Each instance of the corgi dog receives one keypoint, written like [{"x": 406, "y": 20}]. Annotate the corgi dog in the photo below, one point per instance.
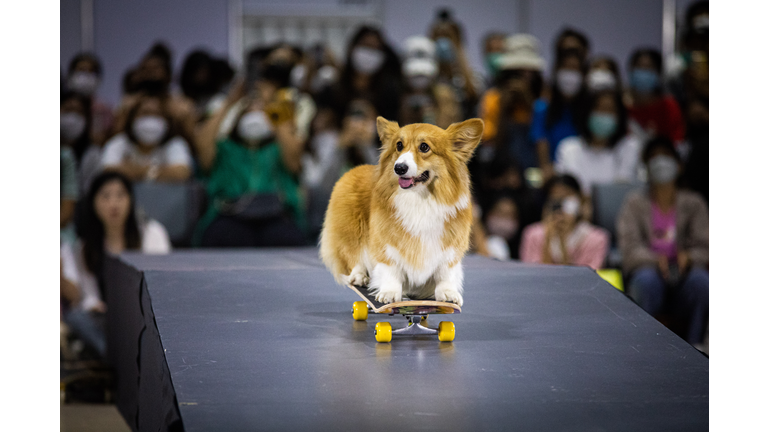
[{"x": 402, "y": 227}]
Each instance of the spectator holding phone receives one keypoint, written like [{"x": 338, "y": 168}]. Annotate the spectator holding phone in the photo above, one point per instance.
[
  {"x": 564, "y": 236},
  {"x": 663, "y": 236}
]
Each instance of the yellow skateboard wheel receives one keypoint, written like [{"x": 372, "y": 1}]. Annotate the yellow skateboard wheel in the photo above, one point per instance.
[
  {"x": 446, "y": 331},
  {"x": 360, "y": 310},
  {"x": 383, "y": 332}
]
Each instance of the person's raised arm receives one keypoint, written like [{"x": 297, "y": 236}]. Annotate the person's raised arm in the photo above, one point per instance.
[
  {"x": 205, "y": 144},
  {"x": 291, "y": 146}
]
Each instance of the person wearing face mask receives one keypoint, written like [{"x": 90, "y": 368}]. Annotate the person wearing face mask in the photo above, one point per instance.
[
  {"x": 603, "y": 75},
  {"x": 493, "y": 48},
  {"x": 203, "y": 79},
  {"x": 425, "y": 100},
  {"x": 372, "y": 72},
  {"x": 652, "y": 112},
  {"x": 564, "y": 236},
  {"x": 254, "y": 198},
  {"x": 332, "y": 151},
  {"x": 75, "y": 117},
  {"x": 603, "y": 152},
  {"x": 150, "y": 149},
  {"x": 152, "y": 78},
  {"x": 663, "y": 235},
  {"x": 83, "y": 78},
  {"x": 554, "y": 120},
  {"x": 507, "y": 108},
  {"x": 453, "y": 67},
  {"x": 502, "y": 227}
]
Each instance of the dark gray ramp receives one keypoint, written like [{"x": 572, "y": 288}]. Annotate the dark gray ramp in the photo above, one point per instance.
[{"x": 265, "y": 340}]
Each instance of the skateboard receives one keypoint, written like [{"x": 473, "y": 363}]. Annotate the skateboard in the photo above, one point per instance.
[{"x": 416, "y": 311}]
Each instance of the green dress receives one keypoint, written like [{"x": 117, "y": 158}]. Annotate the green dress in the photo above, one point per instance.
[{"x": 238, "y": 170}]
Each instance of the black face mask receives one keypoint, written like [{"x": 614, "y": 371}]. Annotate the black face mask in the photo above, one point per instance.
[
  {"x": 279, "y": 73},
  {"x": 154, "y": 87}
]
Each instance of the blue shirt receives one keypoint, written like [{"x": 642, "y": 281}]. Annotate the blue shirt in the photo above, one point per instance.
[{"x": 563, "y": 128}]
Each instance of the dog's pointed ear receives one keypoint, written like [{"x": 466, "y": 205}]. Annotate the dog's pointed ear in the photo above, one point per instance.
[
  {"x": 386, "y": 129},
  {"x": 465, "y": 137}
]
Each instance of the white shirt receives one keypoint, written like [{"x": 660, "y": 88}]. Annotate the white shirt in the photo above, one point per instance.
[
  {"x": 119, "y": 148},
  {"x": 154, "y": 240},
  {"x": 593, "y": 166}
]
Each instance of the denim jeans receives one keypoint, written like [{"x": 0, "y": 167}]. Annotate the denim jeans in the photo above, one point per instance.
[
  {"x": 687, "y": 302},
  {"x": 89, "y": 328}
]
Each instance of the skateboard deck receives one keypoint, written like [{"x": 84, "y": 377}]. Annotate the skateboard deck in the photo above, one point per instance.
[{"x": 406, "y": 307}]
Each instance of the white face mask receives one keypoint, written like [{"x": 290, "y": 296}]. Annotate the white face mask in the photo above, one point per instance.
[
  {"x": 324, "y": 77},
  {"x": 72, "y": 126},
  {"x": 502, "y": 227},
  {"x": 367, "y": 60},
  {"x": 298, "y": 75},
  {"x": 419, "y": 82},
  {"x": 84, "y": 83},
  {"x": 254, "y": 126},
  {"x": 149, "y": 130},
  {"x": 662, "y": 169},
  {"x": 571, "y": 206},
  {"x": 569, "y": 82},
  {"x": 599, "y": 80}
]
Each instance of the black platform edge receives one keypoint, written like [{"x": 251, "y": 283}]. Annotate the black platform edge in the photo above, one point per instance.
[{"x": 145, "y": 395}]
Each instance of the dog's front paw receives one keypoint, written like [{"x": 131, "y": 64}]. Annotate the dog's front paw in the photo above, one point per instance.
[
  {"x": 358, "y": 277},
  {"x": 389, "y": 294},
  {"x": 446, "y": 292}
]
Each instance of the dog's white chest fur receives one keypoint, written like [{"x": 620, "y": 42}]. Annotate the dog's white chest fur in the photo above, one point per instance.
[{"x": 424, "y": 218}]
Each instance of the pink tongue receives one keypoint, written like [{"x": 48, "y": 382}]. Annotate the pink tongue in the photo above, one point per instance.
[{"x": 405, "y": 182}]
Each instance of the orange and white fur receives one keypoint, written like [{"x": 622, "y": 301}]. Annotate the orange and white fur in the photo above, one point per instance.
[{"x": 402, "y": 227}]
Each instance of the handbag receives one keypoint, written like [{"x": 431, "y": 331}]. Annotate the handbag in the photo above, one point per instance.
[{"x": 253, "y": 207}]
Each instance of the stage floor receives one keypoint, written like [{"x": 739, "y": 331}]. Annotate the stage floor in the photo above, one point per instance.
[{"x": 265, "y": 340}]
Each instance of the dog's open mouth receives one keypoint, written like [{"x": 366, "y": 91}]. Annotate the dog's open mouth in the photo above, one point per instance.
[{"x": 407, "y": 182}]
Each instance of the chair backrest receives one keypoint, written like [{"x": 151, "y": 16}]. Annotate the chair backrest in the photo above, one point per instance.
[
  {"x": 607, "y": 200},
  {"x": 177, "y": 206}
]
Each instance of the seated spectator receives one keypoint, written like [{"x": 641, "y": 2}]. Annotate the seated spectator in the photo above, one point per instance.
[
  {"x": 572, "y": 41},
  {"x": 454, "y": 69},
  {"x": 108, "y": 225},
  {"x": 331, "y": 153},
  {"x": 372, "y": 72},
  {"x": 321, "y": 73},
  {"x": 150, "y": 149},
  {"x": 253, "y": 193},
  {"x": 203, "y": 80},
  {"x": 493, "y": 48},
  {"x": 555, "y": 120},
  {"x": 603, "y": 152},
  {"x": 274, "y": 65},
  {"x": 663, "y": 235},
  {"x": 507, "y": 108},
  {"x": 83, "y": 78},
  {"x": 152, "y": 77},
  {"x": 652, "y": 111},
  {"x": 603, "y": 75},
  {"x": 696, "y": 173},
  {"x": 502, "y": 225},
  {"x": 564, "y": 236},
  {"x": 75, "y": 122},
  {"x": 425, "y": 100}
]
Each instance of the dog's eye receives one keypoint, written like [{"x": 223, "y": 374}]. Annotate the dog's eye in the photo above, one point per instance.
[
  {"x": 424, "y": 147},
  {"x": 399, "y": 146}
]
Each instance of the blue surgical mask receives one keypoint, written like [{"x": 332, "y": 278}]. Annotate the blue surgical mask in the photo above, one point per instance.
[
  {"x": 492, "y": 64},
  {"x": 644, "y": 80},
  {"x": 444, "y": 49},
  {"x": 602, "y": 125}
]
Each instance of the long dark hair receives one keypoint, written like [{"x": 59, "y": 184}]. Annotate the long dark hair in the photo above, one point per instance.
[
  {"x": 558, "y": 103},
  {"x": 582, "y": 117},
  {"x": 90, "y": 228},
  {"x": 387, "y": 79}
]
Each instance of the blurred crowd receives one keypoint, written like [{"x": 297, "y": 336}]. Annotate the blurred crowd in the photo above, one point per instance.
[{"x": 268, "y": 143}]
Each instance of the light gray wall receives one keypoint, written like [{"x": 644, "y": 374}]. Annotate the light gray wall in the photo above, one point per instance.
[{"x": 124, "y": 30}]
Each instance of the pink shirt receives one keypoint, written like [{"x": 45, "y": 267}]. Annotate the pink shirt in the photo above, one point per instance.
[
  {"x": 663, "y": 232},
  {"x": 588, "y": 246}
]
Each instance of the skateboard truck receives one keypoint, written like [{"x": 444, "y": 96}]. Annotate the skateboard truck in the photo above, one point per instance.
[{"x": 414, "y": 327}]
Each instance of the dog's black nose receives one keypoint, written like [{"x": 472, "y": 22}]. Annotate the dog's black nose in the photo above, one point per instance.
[{"x": 401, "y": 169}]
